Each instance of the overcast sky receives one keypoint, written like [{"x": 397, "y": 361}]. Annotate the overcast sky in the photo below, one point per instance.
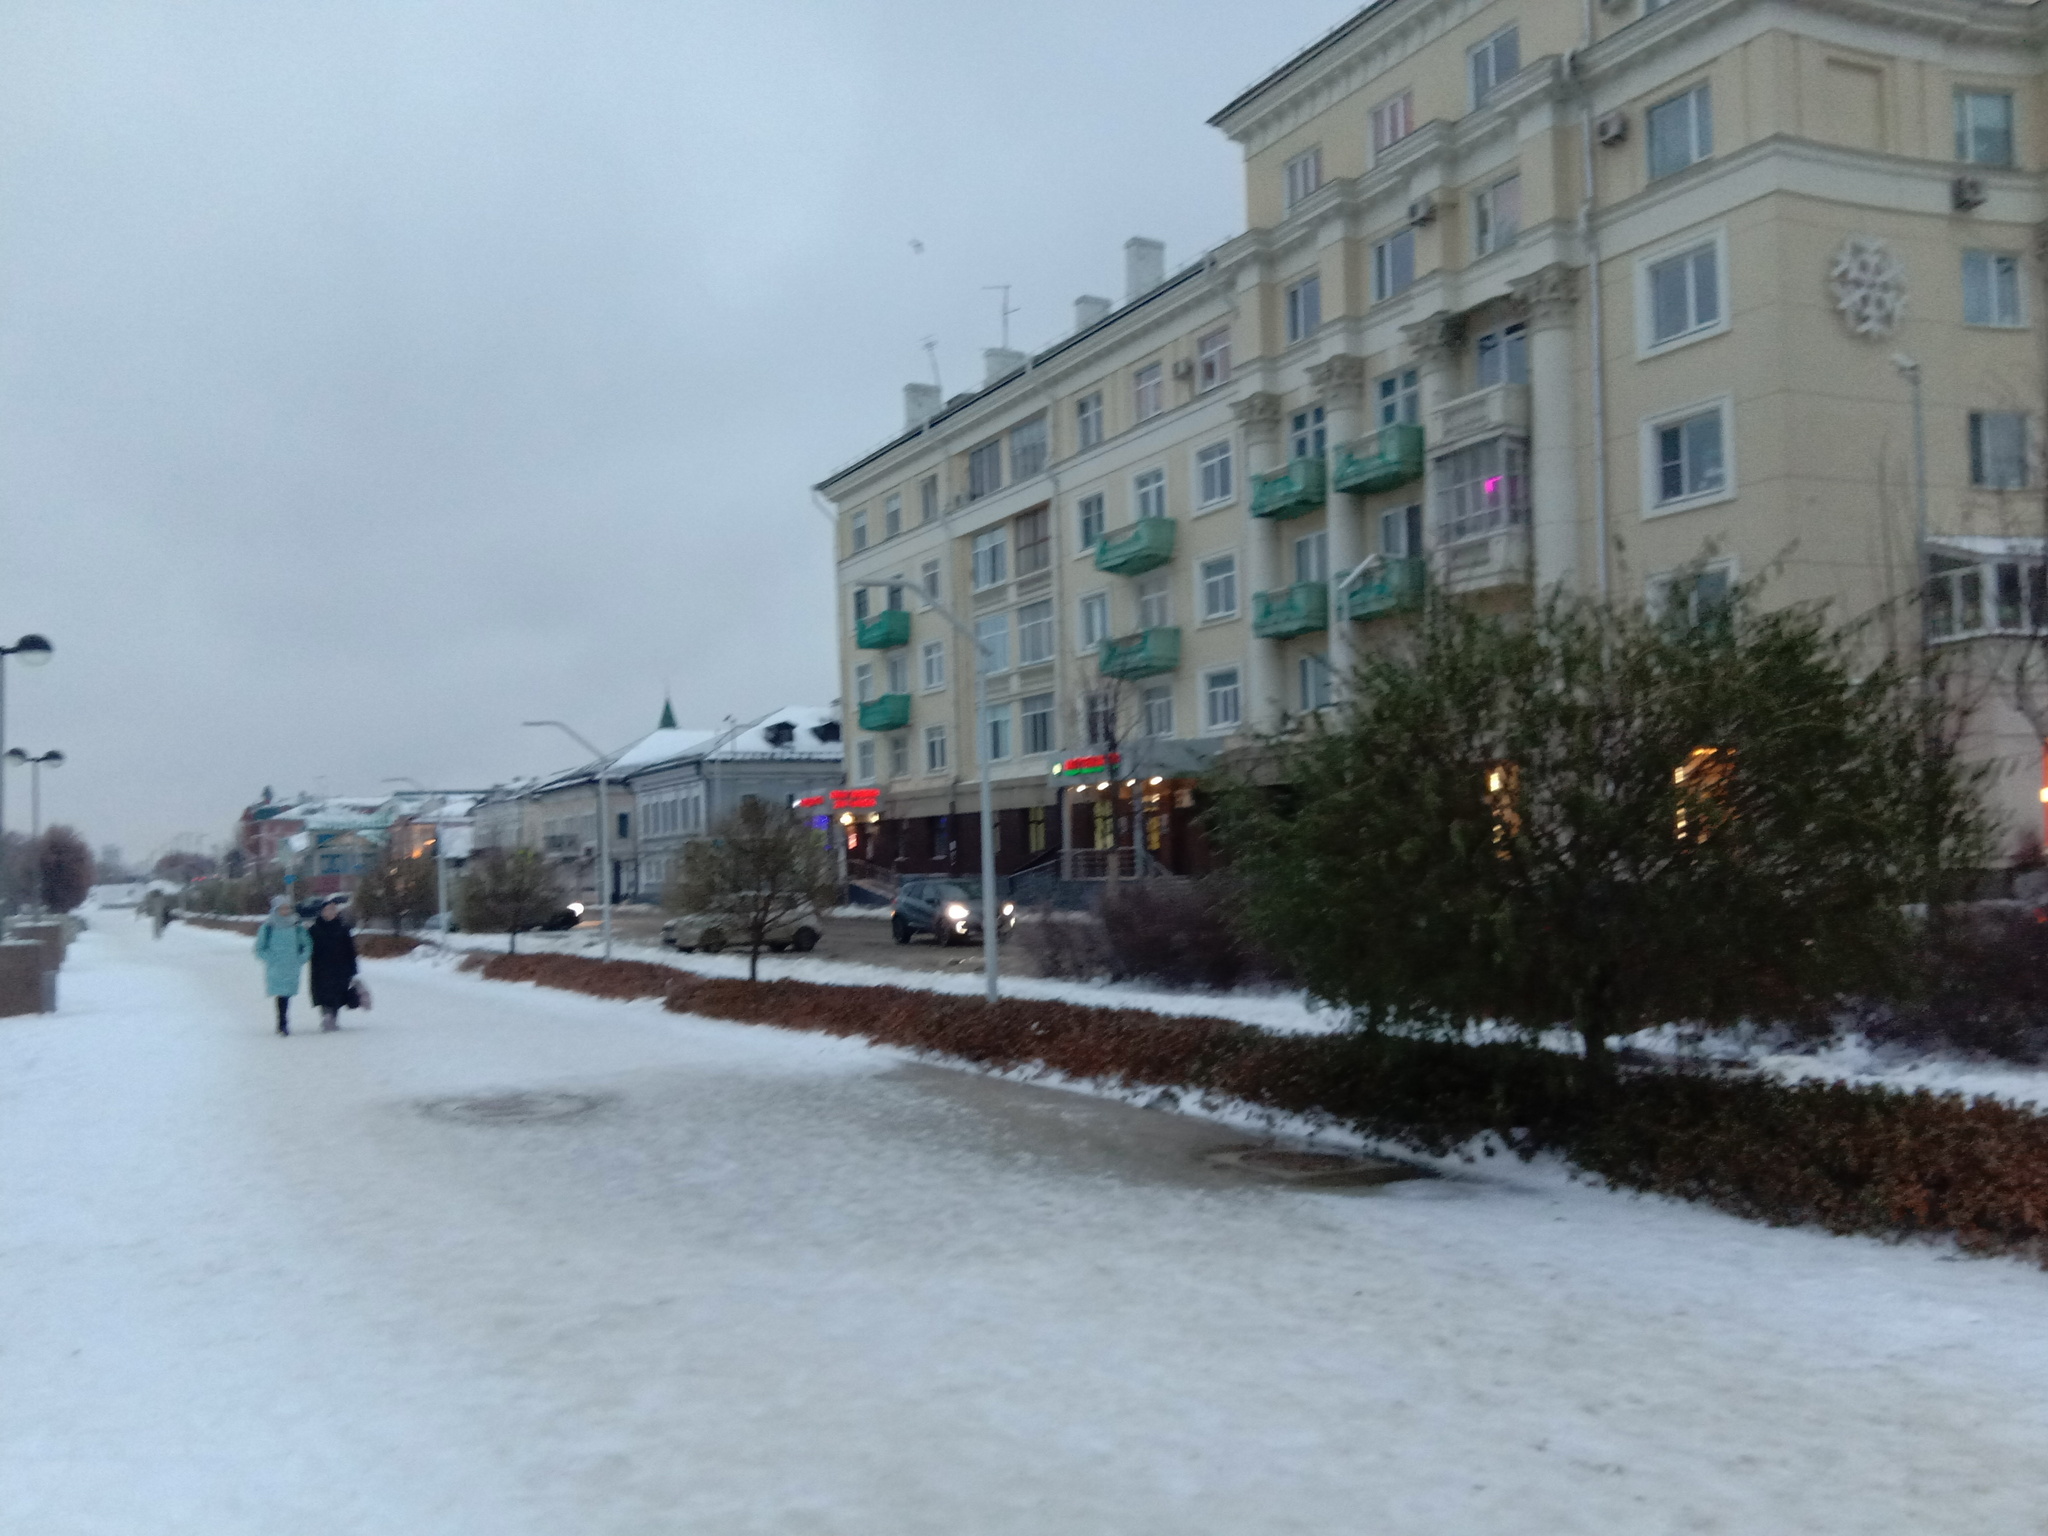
[{"x": 376, "y": 376}]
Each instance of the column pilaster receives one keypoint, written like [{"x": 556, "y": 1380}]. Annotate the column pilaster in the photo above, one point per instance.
[
  {"x": 1341, "y": 380},
  {"x": 1258, "y": 417},
  {"x": 1551, "y": 296}
]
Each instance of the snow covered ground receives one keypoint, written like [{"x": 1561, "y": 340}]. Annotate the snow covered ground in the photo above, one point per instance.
[{"x": 781, "y": 1283}]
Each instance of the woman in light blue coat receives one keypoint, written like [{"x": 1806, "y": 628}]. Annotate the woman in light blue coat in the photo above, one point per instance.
[{"x": 282, "y": 945}]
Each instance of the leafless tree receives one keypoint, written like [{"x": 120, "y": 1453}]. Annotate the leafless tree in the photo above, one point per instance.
[{"x": 758, "y": 870}]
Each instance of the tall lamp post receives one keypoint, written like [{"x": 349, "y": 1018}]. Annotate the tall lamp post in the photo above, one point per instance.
[
  {"x": 1910, "y": 370},
  {"x": 604, "y": 844},
  {"x": 991, "y": 915},
  {"x": 16, "y": 758},
  {"x": 31, "y": 651}
]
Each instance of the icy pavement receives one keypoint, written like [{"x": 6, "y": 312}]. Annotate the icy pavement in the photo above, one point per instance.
[{"x": 779, "y": 1283}]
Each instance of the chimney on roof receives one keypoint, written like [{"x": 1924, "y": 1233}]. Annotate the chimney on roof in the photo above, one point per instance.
[
  {"x": 1144, "y": 266},
  {"x": 920, "y": 404},
  {"x": 1088, "y": 309},
  {"x": 999, "y": 362}
]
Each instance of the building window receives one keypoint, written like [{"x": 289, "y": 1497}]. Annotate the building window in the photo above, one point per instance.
[
  {"x": 1155, "y": 610},
  {"x": 1304, "y": 174},
  {"x": 1401, "y": 531},
  {"x": 1213, "y": 477},
  {"x": 1148, "y": 493},
  {"x": 1305, "y": 308},
  {"x": 899, "y": 674},
  {"x": 892, "y": 516},
  {"x": 985, "y": 469},
  {"x": 1482, "y": 488},
  {"x": 1088, "y": 419},
  {"x": 1691, "y": 458},
  {"x": 1392, "y": 121},
  {"x": 1497, "y": 215},
  {"x": 1034, "y": 828},
  {"x": 1393, "y": 265},
  {"x": 1998, "y": 449},
  {"x": 1312, "y": 558},
  {"x": 860, "y": 530},
  {"x": 1991, "y": 288},
  {"x": 864, "y": 759},
  {"x": 864, "y": 682},
  {"x": 928, "y": 580},
  {"x": 1089, "y": 514},
  {"x": 1222, "y": 706},
  {"x": 899, "y": 756},
  {"x": 1219, "y": 587},
  {"x": 932, "y": 659},
  {"x": 1212, "y": 360},
  {"x": 1502, "y": 356},
  {"x": 863, "y": 604},
  {"x": 1984, "y": 127},
  {"x": 991, "y": 559},
  {"x": 992, "y": 642},
  {"x": 935, "y": 749},
  {"x": 1315, "y": 681},
  {"x": 1684, "y": 294},
  {"x": 1681, "y": 131},
  {"x": 928, "y": 499},
  {"x": 1397, "y": 398},
  {"x": 1307, "y": 436},
  {"x": 1034, "y": 542},
  {"x": 1493, "y": 61},
  {"x": 1158, "y": 711},
  {"x": 1034, "y": 633},
  {"x": 1027, "y": 449},
  {"x": 1148, "y": 390},
  {"x": 1098, "y": 717},
  {"x": 1094, "y": 626},
  {"x": 995, "y": 732},
  {"x": 1691, "y": 597},
  {"x": 1035, "y": 717}
]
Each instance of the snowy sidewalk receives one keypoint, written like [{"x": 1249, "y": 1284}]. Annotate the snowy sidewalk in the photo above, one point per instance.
[{"x": 781, "y": 1283}]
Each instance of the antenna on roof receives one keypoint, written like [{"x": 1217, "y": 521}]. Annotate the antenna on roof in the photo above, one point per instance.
[{"x": 1006, "y": 311}]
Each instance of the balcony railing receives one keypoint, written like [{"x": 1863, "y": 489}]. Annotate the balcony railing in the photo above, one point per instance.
[
  {"x": 1297, "y": 610},
  {"x": 885, "y": 631},
  {"x": 1290, "y": 492},
  {"x": 1994, "y": 597},
  {"x": 1395, "y": 587},
  {"x": 1132, "y": 551},
  {"x": 891, "y": 712},
  {"x": 1145, "y": 654},
  {"x": 1387, "y": 460}
]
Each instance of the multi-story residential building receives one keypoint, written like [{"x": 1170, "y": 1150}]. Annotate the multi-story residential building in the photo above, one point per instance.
[{"x": 1626, "y": 298}]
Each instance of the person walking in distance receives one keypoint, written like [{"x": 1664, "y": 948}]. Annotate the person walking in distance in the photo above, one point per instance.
[
  {"x": 282, "y": 946},
  {"x": 333, "y": 972}
]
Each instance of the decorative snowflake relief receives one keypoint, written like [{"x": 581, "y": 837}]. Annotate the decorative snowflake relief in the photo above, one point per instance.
[{"x": 1869, "y": 284}]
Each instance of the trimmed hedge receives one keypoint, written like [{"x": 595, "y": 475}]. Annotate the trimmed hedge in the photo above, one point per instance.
[
  {"x": 369, "y": 946},
  {"x": 1850, "y": 1159}
]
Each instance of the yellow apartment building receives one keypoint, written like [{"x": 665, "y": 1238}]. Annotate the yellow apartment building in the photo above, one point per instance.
[{"x": 1634, "y": 299}]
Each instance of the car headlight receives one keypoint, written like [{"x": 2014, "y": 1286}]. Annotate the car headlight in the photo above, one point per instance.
[
  {"x": 1009, "y": 909},
  {"x": 956, "y": 911}
]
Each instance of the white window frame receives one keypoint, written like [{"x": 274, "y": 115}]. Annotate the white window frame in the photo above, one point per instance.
[
  {"x": 859, "y": 534},
  {"x": 991, "y": 557},
  {"x": 928, "y": 577},
  {"x": 1992, "y": 261},
  {"x": 1030, "y": 448},
  {"x": 1090, "y": 509},
  {"x": 1215, "y": 475},
  {"x": 1154, "y": 594},
  {"x": 1651, "y": 463},
  {"x": 1026, "y": 714},
  {"x": 1157, "y": 721},
  {"x": 896, "y": 666},
  {"x": 1489, "y": 49},
  {"x": 1312, "y": 556},
  {"x": 931, "y": 663},
  {"x": 1657, "y": 590},
  {"x": 1405, "y": 396},
  {"x": 864, "y": 682},
  {"x": 1148, "y": 391},
  {"x": 1699, "y": 126},
  {"x": 1386, "y": 264},
  {"x": 987, "y": 630},
  {"x": 1495, "y": 228},
  {"x": 1091, "y": 614},
  {"x": 899, "y": 755},
  {"x": 1304, "y": 173},
  {"x": 1314, "y": 681},
  {"x": 1216, "y": 587},
  {"x": 1304, "y": 301},
  {"x": 1216, "y": 693},
  {"x": 1088, "y": 425},
  {"x": 1392, "y": 121},
  {"x": 985, "y": 469},
  {"x": 1148, "y": 490},
  {"x": 1965, "y": 145},
  {"x": 1212, "y": 359},
  {"x": 1647, "y": 344},
  {"x": 1042, "y": 625},
  {"x": 998, "y": 738},
  {"x": 892, "y": 514},
  {"x": 1971, "y": 455},
  {"x": 864, "y": 760},
  {"x": 935, "y": 749},
  {"x": 928, "y": 499}
]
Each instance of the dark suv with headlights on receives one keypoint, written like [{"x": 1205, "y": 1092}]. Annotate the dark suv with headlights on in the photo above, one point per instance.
[{"x": 948, "y": 910}]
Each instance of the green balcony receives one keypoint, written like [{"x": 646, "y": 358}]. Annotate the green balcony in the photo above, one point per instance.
[
  {"x": 1300, "y": 609},
  {"x": 885, "y": 631},
  {"x": 1137, "y": 549},
  {"x": 891, "y": 712},
  {"x": 1395, "y": 587},
  {"x": 1145, "y": 654},
  {"x": 1290, "y": 492},
  {"x": 1386, "y": 460}
]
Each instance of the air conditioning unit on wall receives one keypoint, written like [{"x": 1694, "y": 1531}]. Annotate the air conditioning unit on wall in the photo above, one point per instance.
[
  {"x": 1423, "y": 210},
  {"x": 1613, "y": 128},
  {"x": 1184, "y": 369},
  {"x": 1966, "y": 192}
]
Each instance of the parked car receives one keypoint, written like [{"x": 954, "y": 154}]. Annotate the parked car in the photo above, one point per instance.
[
  {"x": 948, "y": 910},
  {"x": 713, "y": 931},
  {"x": 567, "y": 917}
]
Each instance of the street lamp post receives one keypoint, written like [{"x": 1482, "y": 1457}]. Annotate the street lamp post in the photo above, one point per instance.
[
  {"x": 1911, "y": 371},
  {"x": 16, "y": 758},
  {"x": 440, "y": 852},
  {"x": 604, "y": 845},
  {"x": 991, "y": 915},
  {"x": 33, "y": 651}
]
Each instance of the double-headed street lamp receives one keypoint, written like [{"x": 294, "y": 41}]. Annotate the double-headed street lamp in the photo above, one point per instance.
[
  {"x": 604, "y": 810},
  {"x": 32, "y": 651},
  {"x": 16, "y": 758}
]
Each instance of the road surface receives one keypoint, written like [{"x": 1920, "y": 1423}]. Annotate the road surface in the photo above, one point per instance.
[{"x": 745, "y": 1281}]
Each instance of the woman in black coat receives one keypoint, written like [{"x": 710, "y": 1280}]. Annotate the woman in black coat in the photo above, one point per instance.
[{"x": 333, "y": 967}]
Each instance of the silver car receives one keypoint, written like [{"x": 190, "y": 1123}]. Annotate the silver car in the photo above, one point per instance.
[{"x": 714, "y": 931}]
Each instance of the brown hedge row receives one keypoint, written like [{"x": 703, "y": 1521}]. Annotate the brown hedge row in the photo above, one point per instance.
[
  {"x": 1850, "y": 1159},
  {"x": 369, "y": 946}
]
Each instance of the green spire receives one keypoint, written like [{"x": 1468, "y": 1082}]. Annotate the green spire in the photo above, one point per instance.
[{"x": 668, "y": 716}]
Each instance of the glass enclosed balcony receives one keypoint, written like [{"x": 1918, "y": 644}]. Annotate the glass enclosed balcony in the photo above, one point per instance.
[
  {"x": 1297, "y": 610},
  {"x": 1395, "y": 587},
  {"x": 1145, "y": 654},
  {"x": 1290, "y": 492},
  {"x": 1132, "y": 551},
  {"x": 1384, "y": 461},
  {"x": 891, "y": 712},
  {"x": 885, "y": 631}
]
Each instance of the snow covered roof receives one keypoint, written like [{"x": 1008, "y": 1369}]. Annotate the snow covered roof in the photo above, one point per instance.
[
  {"x": 659, "y": 746},
  {"x": 796, "y": 733}
]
